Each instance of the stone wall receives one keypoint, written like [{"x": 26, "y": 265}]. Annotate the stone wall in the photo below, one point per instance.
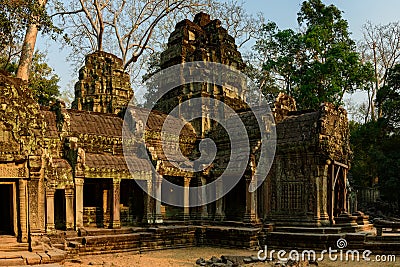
[{"x": 310, "y": 146}]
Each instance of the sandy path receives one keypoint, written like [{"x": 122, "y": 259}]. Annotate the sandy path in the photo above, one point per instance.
[{"x": 188, "y": 256}]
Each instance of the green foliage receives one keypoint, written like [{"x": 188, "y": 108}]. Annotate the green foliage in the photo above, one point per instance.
[
  {"x": 317, "y": 64},
  {"x": 376, "y": 156},
  {"x": 15, "y": 17},
  {"x": 389, "y": 98},
  {"x": 376, "y": 144},
  {"x": 42, "y": 80},
  {"x": 153, "y": 66}
]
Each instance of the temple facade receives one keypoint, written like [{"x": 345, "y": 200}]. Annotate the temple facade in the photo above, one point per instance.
[{"x": 64, "y": 169}]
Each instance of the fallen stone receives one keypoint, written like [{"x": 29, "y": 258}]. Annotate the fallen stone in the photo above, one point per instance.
[
  {"x": 200, "y": 260},
  {"x": 233, "y": 259}
]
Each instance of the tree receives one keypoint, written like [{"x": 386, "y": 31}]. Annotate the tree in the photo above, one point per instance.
[
  {"x": 43, "y": 81},
  {"x": 128, "y": 25},
  {"x": 389, "y": 98},
  {"x": 278, "y": 50},
  {"x": 381, "y": 47},
  {"x": 376, "y": 144},
  {"x": 28, "y": 46},
  {"x": 318, "y": 63},
  {"x": 20, "y": 22}
]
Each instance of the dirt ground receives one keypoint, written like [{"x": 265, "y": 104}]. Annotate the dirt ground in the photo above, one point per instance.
[{"x": 188, "y": 256}]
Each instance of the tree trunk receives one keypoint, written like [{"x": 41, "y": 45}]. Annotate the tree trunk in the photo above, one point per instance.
[{"x": 28, "y": 48}]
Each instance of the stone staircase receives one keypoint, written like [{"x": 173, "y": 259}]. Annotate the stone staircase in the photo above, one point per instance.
[
  {"x": 317, "y": 238},
  {"x": 98, "y": 241},
  {"x": 10, "y": 244},
  {"x": 13, "y": 253},
  {"x": 386, "y": 244}
]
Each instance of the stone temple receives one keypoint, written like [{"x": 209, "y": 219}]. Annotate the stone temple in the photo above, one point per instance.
[{"x": 64, "y": 181}]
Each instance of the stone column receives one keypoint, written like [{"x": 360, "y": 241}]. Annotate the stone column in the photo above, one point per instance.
[
  {"x": 23, "y": 211},
  {"x": 157, "y": 187},
  {"x": 79, "y": 201},
  {"x": 323, "y": 189},
  {"x": 105, "y": 208},
  {"x": 116, "y": 208},
  {"x": 345, "y": 206},
  {"x": 69, "y": 207},
  {"x": 50, "y": 226},
  {"x": 203, "y": 208},
  {"x": 219, "y": 211},
  {"x": 251, "y": 201},
  {"x": 186, "y": 198},
  {"x": 148, "y": 207}
]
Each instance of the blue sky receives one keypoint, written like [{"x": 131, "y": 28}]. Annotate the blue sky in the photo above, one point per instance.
[
  {"x": 356, "y": 12},
  {"x": 282, "y": 12}
]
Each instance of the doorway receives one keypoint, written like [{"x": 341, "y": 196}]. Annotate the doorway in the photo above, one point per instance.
[
  {"x": 60, "y": 209},
  {"x": 6, "y": 210}
]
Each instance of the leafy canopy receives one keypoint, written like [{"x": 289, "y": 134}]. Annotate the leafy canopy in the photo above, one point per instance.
[{"x": 316, "y": 64}]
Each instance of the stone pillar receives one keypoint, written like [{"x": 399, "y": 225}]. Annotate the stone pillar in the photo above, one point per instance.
[
  {"x": 186, "y": 198},
  {"x": 116, "y": 208},
  {"x": 148, "y": 207},
  {"x": 23, "y": 211},
  {"x": 69, "y": 208},
  {"x": 106, "y": 210},
  {"x": 332, "y": 195},
  {"x": 219, "y": 210},
  {"x": 203, "y": 209},
  {"x": 322, "y": 186},
  {"x": 36, "y": 196},
  {"x": 50, "y": 226},
  {"x": 79, "y": 201},
  {"x": 345, "y": 206},
  {"x": 251, "y": 201},
  {"x": 157, "y": 187}
]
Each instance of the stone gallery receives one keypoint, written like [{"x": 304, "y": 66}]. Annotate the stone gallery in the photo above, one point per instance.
[{"x": 63, "y": 170}]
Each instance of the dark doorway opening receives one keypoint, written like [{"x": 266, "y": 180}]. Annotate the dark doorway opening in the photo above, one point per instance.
[
  {"x": 6, "y": 210},
  {"x": 132, "y": 202},
  {"x": 60, "y": 209},
  {"x": 235, "y": 202}
]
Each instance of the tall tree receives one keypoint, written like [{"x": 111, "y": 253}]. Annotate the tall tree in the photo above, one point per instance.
[
  {"x": 376, "y": 144},
  {"x": 318, "y": 63},
  {"x": 380, "y": 46},
  {"x": 20, "y": 22},
  {"x": 28, "y": 46},
  {"x": 43, "y": 81},
  {"x": 128, "y": 25}
]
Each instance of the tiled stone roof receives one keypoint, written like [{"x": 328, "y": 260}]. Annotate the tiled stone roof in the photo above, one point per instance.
[
  {"x": 298, "y": 128},
  {"x": 95, "y": 123},
  {"x": 51, "y": 124},
  {"x": 108, "y": 161}
]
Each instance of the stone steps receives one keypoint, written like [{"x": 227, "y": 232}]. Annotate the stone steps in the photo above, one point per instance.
[
  {"x": 383, "y": 248},
  {"x": 385, "y": 239},
  {"x": 104, "y": 231},
  {"x": 14, "y": 247},
  {"x": 32, "y": 258},
  {"x": 10, "y": 244},
  {"x": 315, "y": 230},
  {"x": 130, "y": 239}
]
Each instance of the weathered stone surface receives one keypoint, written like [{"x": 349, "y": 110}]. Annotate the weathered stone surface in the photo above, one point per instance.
[{"x": 103, "y": 85}]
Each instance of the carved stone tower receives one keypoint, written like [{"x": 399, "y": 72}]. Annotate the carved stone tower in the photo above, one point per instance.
[
  {"x": 103, "y": 85},
  {"x": 203, "y": 40}
]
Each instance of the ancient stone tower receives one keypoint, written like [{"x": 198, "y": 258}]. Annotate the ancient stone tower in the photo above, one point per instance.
[
  {"x": 103, "y": 85},
  {"x": 203, "y": 40}
]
